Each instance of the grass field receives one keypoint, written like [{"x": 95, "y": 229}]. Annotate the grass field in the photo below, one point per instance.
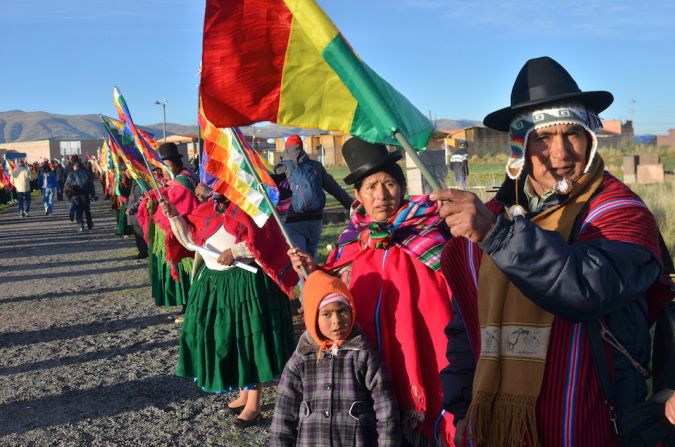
[{"x": 489, "y": 171}]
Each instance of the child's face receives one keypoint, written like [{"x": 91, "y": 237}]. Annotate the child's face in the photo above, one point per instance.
[{"x": 334, "y": 321}]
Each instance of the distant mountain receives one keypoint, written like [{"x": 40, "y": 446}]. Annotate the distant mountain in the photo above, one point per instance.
[{"x": 16, "y": 125}]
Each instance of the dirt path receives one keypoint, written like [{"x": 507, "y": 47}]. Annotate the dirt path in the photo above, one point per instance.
[{"x": 86, "y": 358}]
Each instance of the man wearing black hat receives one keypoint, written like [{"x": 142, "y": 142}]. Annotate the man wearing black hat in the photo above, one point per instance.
[{"x": 563, "y": 242}]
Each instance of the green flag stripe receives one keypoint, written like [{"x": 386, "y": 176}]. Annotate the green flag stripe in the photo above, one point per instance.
[{"x": 381, "y": 109}]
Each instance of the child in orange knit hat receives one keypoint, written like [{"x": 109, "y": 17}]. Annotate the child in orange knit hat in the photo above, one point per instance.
[{"x": 334, "y": 389}]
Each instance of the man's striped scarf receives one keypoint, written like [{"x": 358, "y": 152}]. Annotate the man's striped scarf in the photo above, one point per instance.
[{"x": 416, "y": 228}]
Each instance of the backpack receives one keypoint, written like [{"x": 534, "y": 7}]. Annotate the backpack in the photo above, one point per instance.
[{"x": 306, "y": 180}]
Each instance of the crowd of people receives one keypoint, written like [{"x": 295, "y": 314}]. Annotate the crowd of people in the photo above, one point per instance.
[
  {"x": 54, "y": 179},
  {"x": 436, "y": 319}
]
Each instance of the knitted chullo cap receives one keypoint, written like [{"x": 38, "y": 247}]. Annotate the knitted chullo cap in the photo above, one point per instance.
[
  {"x": 319, "y": 285},
  {"x": 546, "y": 116}
]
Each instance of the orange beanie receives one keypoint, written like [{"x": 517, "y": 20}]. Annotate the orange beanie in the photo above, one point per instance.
[{"x": 318, "y": 285}]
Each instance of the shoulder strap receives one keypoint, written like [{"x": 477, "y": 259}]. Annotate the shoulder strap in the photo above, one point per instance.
[{"x": 601, "y": 364}]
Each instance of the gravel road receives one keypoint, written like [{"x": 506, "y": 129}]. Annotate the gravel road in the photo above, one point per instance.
[{"x": 86, "y": 358}]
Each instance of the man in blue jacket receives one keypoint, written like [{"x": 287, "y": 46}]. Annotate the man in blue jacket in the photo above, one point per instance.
[
  {"x": 564, "y": 244},
  {"x": 48, "y": 183}
]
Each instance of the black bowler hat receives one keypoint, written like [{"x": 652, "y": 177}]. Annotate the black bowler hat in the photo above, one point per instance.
[
  {"x": 543, "y": 80},
  {"x": 365, "y": 158},
  {"x": 169, "y": 151}
]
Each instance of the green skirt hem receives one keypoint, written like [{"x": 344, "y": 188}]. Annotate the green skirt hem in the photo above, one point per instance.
[{"x": 237, "y": 330}]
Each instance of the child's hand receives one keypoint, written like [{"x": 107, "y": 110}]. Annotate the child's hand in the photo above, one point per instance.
[{"x": 300, "y": 259}]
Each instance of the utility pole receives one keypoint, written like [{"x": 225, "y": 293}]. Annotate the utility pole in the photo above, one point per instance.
[{"x": 163, "y": 104}]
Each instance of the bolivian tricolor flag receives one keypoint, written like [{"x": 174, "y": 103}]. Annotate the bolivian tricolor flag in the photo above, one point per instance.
[{"x": 285, "y": 61}]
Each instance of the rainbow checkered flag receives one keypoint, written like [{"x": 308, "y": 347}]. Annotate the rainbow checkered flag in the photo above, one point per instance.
[
  {"x": 140, "y": 137},
  {"x": 229, "y": 174}
]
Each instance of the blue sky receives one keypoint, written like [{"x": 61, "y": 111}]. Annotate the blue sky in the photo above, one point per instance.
[{"x": 457, "y": 59}]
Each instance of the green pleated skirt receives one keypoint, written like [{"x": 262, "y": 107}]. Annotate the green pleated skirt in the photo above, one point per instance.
[
  {"x": 237, "y": 330},
  {"x": 122, "y": 227},
  {"x": 166, "y": 291}
]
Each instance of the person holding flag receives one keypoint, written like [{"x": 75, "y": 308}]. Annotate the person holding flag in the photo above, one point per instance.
[
  {"x": 6, "y": 188},
  {"x": 138, "y": 188},
  {"x": 170, "y": 263},
  {"x": 238, "y": 330},
  {"x": 295, "y": 68}
]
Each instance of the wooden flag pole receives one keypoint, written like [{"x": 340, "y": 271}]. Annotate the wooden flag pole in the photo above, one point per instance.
[
  {"x": 412, "y": 153},
  {"x": 275, "y": 213}
]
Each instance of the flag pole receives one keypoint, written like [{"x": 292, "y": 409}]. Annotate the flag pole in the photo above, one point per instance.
[
  {"x": 147, "y": 165},
  {"x": 412, "y": 153},
  {"x": 275, "y": 213}
]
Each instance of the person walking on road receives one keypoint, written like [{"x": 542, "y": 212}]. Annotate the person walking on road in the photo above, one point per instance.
[
  {"x": 80, "y": 188},
  {"x": 60, "y": 180},
  {"x": 48, "y": 184},
  {"x": 21, "y": 178}
]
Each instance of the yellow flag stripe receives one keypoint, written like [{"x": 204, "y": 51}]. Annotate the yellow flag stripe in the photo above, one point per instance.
[{"x": 312, "y": 95}]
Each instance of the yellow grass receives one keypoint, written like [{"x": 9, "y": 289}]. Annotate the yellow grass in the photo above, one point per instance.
[{"x": 660, "y": 199}]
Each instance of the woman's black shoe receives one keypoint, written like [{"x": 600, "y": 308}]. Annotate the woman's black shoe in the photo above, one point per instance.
[{"x": 242, "y": 423}]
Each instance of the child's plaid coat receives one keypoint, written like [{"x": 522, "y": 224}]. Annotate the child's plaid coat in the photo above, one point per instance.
[{"x": 341, "y": 400}]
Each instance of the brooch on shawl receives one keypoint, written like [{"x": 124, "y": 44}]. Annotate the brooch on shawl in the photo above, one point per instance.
[{"x": 377, "y": 235}]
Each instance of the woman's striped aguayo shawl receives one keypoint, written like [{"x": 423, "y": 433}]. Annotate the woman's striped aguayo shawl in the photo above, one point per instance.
[
  {"x": 570, "y": 409},
  {"x": 416, "y": 228}
]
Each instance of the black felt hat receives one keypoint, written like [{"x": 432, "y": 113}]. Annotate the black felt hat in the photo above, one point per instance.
[
  {"x": 540, "y": 81},
  {"x": 169, "y": 151},
  {"x": 365, "y": 158}
]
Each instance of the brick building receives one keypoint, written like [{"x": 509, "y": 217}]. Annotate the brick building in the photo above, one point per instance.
[
  {"x": 666, "y": 140},
  {"x": 615, "y": 133},
  {"x": 52, "y": 148},
  {"x": 481, "y": 140}
]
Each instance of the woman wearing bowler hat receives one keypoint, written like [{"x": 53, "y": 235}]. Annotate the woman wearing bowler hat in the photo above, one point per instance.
[
  {"x": 169, "y": 262},
  {"x": 389, "y": 256}
]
